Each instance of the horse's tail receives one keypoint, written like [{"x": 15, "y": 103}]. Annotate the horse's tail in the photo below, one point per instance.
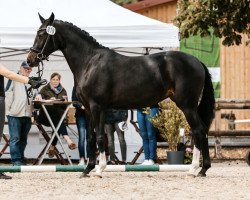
[{"x": 206, "y": 106}]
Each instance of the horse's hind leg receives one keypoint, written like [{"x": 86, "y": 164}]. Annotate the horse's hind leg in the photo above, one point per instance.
[
  {"x": 199, "y": 133},
  {"x": 205, "y": 152}
]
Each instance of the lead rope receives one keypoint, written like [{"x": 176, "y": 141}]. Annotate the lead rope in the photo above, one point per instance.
[
  {"x": 39, "y": 78},
  {"x": 28, "y": 95}
]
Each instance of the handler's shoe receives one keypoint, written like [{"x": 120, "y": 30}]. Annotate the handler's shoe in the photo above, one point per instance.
[
  {"x": 81, "y": 162},
  {"x": 145, "y": 162},
  {"x": 4, "y": 176},
  {"x": 51, "y": 151},
  {"x": 151, "y": 162},
  {"x": 72, "y": 146},
  {"x": 17, "y": 163}
]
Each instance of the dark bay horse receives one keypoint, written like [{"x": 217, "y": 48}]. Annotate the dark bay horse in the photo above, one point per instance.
[{"x": 106, "y": 79}]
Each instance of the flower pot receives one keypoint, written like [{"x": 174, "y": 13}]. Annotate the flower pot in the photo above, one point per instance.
[{"x": 175, "y": 157}]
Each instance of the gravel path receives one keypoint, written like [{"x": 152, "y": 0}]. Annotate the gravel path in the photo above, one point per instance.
[{"x": 230, "y": 180}]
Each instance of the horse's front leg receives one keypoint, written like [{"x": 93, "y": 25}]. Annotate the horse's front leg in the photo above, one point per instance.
[
  {"x": 99, "y": 116},
  {"x": 92, "y": 149}
]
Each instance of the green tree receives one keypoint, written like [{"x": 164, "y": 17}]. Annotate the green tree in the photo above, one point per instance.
[{"x": 228, "y": 19}]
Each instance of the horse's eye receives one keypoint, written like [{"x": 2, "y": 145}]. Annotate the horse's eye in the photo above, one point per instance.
[{"x": 40, "y": 36}]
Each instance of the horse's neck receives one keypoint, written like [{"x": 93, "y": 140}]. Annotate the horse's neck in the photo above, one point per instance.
[{"x": 78, "y": 52}]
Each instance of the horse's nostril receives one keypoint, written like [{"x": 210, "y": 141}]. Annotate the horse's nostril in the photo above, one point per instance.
[{"x": 29, "y": 62}]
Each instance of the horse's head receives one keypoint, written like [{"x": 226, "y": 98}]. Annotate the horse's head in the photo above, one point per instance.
[{"x": 44, "y": 43}]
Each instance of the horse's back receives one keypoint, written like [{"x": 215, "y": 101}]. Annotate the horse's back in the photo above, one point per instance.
[
  {"x": 179, "y": 58},
  {"x": 185, "y": 66}
]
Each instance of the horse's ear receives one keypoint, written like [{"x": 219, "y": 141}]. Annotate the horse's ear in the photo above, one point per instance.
[
  {"x": 51, "y": 18},
  {"x": 41, "y": 18}
]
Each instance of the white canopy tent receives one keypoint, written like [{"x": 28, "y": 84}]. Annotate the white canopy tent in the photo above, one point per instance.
[{"x": 110, "y": 24}]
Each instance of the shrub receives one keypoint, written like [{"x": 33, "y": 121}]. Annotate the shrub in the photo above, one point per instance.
[{"x": 168, "y": 121}]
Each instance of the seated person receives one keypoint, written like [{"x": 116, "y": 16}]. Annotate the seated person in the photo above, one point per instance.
[{"x": 54, "y": 90}]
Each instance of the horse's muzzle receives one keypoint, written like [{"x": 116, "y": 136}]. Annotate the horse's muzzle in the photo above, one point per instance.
[{"x": 32, "y": 59}]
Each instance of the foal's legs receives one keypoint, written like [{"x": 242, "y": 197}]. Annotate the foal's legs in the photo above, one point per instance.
[
  {"x": 97, "y": 121},
  {"x": 98, "y": 116},
  {"x": 205, "y": 152},
  {"x": 92, "y": 150},
  {"x": 193, "y": 121},
  {"x": 199, "y": 133}
]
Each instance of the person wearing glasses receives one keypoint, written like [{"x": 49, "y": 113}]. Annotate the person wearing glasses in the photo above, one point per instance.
[{"x": 19, "y": 112}]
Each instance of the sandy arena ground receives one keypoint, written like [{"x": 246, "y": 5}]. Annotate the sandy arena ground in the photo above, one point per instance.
[{"x": 228, "y": 180}]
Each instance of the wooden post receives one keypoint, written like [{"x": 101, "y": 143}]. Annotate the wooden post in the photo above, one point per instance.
[{"x": 217, "y": 144}]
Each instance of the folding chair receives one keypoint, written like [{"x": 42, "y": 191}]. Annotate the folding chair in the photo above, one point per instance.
[
  {"x": 71, "y": 120},
  {"x": 6, "y": 145}
]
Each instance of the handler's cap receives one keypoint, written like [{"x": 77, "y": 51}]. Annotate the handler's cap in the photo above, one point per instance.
[{"x": 25, "y": 64}]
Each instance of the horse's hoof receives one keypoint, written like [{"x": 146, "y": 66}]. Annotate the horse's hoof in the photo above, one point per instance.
[
  {"x": 84, "y": 175},
  {"x": 189, "y": 176},
  {"x": 98, "y": 175},
  {"x": 201, "y": 174}
]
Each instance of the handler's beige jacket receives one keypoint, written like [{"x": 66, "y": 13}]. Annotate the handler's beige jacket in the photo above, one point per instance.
[{"x": 16, "y": 101}]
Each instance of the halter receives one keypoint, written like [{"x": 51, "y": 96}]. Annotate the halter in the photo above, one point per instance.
[{"x": 50, "y": 30}]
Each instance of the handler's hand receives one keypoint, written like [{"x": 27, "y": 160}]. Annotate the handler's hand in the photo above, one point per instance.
[
  {"x": 38, "y": 97},
  {"x": 36, "y": 82}
]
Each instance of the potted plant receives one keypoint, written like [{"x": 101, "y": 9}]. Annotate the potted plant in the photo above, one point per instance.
[{"x": 169, "y": 122}]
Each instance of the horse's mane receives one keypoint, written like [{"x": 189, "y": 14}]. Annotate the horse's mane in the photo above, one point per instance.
[{"x": 83, "y": 34}]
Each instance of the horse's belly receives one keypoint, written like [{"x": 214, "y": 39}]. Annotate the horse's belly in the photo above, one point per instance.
[{"x": 134, "y": 101}]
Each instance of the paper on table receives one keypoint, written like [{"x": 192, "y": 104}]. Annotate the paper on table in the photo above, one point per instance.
[{"x": 48, "y": 100}]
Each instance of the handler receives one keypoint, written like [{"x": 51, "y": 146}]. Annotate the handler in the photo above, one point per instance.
[{"x": 4, "y": 72}]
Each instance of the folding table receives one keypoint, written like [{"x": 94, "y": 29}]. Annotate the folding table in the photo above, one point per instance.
[
  {"x": 47, "y": 138},
  {"x": 43, "y": 104}
]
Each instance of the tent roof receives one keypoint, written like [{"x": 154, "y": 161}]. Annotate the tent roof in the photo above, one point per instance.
[{"x": 110, "y": 24}]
